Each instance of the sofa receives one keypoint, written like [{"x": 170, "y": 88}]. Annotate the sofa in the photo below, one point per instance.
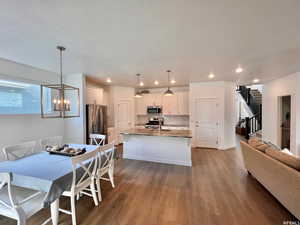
[{"x": 278, "y": 173}]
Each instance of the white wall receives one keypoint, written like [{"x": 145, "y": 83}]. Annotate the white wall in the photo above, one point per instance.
[
  {"x": 96, "y": 93},
  {"x": 75, "y": 128},
  {"x": 20, "y": 128},
  {"x": 224, "y": 92},
  {"x": 289, "y": 85}
]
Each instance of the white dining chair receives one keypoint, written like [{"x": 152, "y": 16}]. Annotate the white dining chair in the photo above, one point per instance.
[
  {"x": 19, "y": 203},
  {"x": 106, "y": 166},
  {"x": 51, "y": 141},
  {"x": 84, "y": 172},
  {"x": 97, "y": 139},
  {"x": 14, "y": 152}
]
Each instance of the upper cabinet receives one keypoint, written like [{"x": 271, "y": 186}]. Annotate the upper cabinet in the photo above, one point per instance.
[
  {"x": 177, "y": 104},
  {"x": 183, "y": 103},
  {"x": 170, "y": 105},
  {"x": 141, "y": 106}
]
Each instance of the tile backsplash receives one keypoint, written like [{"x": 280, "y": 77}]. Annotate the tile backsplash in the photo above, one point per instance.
[{"x": 169, "y": 120}]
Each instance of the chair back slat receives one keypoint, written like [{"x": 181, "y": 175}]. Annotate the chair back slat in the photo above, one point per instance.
[
  {"x": 5, "y": 180},
  {"x": 84, "y": 169},
  {"x": 51, "y": 141},
  {"x": 18, "y": 151},
  {"x": 106, "y": 155},
  {"x": 97, "y": 139}
]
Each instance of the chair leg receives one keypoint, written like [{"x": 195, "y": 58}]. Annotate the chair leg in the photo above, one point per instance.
[
  {"x": 93, "y": 190},
  {"x": 99, "y": 189},
  {"x": 111, "y": 176},
  {"x": 73, "y": 210},
  {"x": 22, "y": 217},
  {"x": 22, "y": 221}
]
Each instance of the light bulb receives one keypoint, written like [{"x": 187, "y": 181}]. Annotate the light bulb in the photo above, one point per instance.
[
  {"x": 255, "y": 80},
  {"x": 211, "y": 76},
  {"x": 156, "y": 82},
  {"x": 239, "y": 69}
]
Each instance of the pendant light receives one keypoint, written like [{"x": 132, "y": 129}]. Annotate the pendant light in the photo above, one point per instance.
[
  {"x": 138, "y": 94},
  {"x": 59, "y": 100},
  {"x": 168, "y": 92}
]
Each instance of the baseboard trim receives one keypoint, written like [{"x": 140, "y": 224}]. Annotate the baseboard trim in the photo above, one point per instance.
[{"x": 158, "y": 160}]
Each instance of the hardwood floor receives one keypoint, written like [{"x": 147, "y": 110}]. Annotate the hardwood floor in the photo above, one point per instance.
[{"x": 215, "y": 191}]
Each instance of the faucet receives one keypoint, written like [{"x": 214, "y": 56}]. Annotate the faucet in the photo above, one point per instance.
[{"x": 160, "y": 121}]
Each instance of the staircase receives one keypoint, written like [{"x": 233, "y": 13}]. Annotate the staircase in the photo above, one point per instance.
[
  {"x": 253, "y": 98},
  {"x": 256, "y": 95}
]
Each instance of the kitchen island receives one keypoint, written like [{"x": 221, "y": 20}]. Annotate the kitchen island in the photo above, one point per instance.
[{"x": 163, "y": 146}]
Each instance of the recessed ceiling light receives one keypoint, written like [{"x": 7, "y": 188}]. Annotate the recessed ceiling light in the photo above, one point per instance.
[
  {"x": 255, "y": 80},
  {"x": 156, "y": 82},
  {"x": 108, "y": 80},
  {"x": 173, "y": 81},
  {"x": 141, "y": 83},
  {"x": 239, "y": 69},
  {"x": 211, "y": 76}
]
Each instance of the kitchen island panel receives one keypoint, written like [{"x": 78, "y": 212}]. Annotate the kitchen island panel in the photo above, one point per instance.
[{"x": 161, "y": 149}]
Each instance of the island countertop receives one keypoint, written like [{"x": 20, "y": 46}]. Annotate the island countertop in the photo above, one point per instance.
[{"x": 161, "y": 133}]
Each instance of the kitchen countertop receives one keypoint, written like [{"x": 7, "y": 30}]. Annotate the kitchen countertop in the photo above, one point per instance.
[
  {"x": 162, "y": 133},
  {"x": 165, "y": 125}
]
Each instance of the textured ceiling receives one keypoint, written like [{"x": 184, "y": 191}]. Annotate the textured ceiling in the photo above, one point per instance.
[{"x": 120, "y": 38}]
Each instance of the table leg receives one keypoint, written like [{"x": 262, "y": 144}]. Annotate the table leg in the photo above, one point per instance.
[{"x": 54, "y": 211}]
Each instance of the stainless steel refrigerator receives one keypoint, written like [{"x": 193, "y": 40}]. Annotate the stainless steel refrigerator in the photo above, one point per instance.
[{"x": 96, "y": 120}]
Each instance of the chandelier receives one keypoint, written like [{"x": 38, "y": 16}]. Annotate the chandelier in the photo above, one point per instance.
[{"x": 60, "y": 100}]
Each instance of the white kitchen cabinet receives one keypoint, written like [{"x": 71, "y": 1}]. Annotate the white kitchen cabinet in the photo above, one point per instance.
[
  {"x": 156, "y": 99},
  {"x": 111, "y": 136},
  {"x": 183, "y": 103},
  {"x": 177, "y": 104},
  {"x": 141, "y": 106},
  {"x": 170, "y": 105}
]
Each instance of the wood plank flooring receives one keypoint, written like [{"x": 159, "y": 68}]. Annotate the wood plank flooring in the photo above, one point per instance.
[{"x": 215, "y": 191}]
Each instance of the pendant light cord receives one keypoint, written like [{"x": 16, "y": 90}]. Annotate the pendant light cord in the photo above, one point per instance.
[
  {"x": 168, "y": 71},
  {"x": 61, "y": 78}
]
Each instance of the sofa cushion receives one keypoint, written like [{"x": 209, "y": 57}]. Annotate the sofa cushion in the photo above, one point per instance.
[
  {"x": 254, "y": 142},
  {"x": 289, "y": 160},
  {"x": 262, "y": 147},
  {"x": 258, "y": 144}
]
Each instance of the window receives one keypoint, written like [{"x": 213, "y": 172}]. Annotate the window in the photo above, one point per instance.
[{"x": 19, "y": 98}]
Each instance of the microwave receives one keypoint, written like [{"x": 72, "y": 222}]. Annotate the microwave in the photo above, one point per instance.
[{"x": 154, "y": 110}]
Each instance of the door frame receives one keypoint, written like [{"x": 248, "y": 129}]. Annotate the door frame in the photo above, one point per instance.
[
  {"x": 279, "y": 119},
  {"x": 194, "y": 119}
]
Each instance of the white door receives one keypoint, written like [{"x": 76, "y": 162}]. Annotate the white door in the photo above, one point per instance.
[
  {"x": 206, "y": 123},
  {"x": 124, "y": 120}
]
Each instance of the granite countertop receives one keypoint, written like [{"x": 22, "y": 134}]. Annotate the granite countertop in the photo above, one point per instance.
[
  {"x": 165, "y": 125},
  {"x": 162, "y": 133}
]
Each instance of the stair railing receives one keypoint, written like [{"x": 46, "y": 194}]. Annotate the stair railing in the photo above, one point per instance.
[{"x": 253, "y": 124}]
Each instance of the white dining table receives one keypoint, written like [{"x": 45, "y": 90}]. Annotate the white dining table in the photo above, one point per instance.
[{"x": 44, "y": 172}]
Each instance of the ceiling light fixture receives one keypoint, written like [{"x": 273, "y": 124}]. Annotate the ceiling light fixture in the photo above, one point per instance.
[
  {"x": 138, "y": 93},
  {"x": 141, "y": 83},
  {"x": 108, "y": 80},
  {"x": 211, "y": 76},
  {"x": 60, "y": 100},
  {"x": 173, "y": 81},
  {"x": 156, "y": 82},
  {"x": 255, "y": 80},
  {"x": 168, "y": 92},
  {"x": 239, "y": 69}
]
